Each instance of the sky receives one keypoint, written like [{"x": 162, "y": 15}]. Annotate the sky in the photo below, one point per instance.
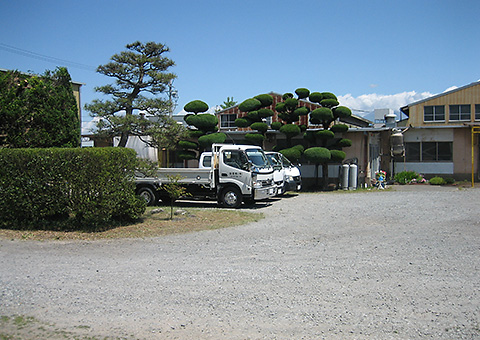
[{"x": 371, "y": 54}]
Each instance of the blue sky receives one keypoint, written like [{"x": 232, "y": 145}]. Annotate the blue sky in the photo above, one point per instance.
[{"x": 371, "y": 54}]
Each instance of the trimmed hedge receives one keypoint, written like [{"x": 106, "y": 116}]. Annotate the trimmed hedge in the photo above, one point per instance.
[{"x": 67, "y": 189}]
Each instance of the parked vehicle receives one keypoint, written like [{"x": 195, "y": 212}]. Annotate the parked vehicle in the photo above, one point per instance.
[
  {"x": 279, "y": 176},
  {"x": 231, "y": 174},
  {"x": 292, "y": 179}
]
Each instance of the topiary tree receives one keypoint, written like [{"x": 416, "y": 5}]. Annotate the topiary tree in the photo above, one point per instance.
[
  {"x": 256, "y": 113},
  {"x": 318, "y": 155},
  {"x": 290, "y": 111},
  {"x": 327, "y": 117},
  {"x": 206, "y": 127}
]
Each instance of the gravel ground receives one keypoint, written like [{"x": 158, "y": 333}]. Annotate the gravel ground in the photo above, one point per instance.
[{"x": 399, "y": 264}]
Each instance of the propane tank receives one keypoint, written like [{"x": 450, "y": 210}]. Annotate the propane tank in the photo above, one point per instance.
[
  {"x": 345, "y": 170},
  {"x": 353, "y": 173},
  {"x": 396, "y": 142}
]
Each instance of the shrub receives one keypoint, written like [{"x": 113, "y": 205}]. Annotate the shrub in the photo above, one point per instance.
[
  {"x": 337, "y": 155},
  {"x": 292, "y": 154},
  {"x": 186, "y": 144},
  {"x": 405, "y": 177},
  {"x": 196, "y": 106},
  {"x": 290, "y": 130},
  {"x": 449, "y": 180},
  {"x": 208, "y": 140},
  {"x": 437, "y": 181},
  {"x": 259, "y": 126},
  {"x": 320, "y": 115},
  {"x": 67, "y": 188},
  {"x": 255, "y": 138},
  {"x": 339, "y": 128},
  {"x": 264, "y": 99},
  {"x": 276, "y": 125},
  {"x": 318, "y": 155},
  {"x": 315, "y": 97},
  {"x": 302, "y": 93},
  {"x": 250, "y": 105},
  {"x": 241, "y": 122}
]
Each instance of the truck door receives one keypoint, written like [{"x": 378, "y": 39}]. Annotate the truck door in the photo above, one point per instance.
[{"x": 234, "y": 168}]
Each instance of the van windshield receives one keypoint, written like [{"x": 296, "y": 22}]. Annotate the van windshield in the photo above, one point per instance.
[
  {"x": 286, "y": 162},
  {"x": 258, "y": 158}
]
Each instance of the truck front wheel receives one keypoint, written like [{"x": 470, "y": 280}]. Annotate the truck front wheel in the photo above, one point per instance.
[{"x": 230, "y": 197}]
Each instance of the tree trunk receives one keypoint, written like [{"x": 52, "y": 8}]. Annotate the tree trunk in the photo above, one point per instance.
[
  {"x": 325, "y": 175},
  {"x": 123, "y": 140}
]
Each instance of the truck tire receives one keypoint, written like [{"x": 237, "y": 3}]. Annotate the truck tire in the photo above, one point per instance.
[
  {"x": 230, "y": 197},
  {"x": 147, "y": 194}
]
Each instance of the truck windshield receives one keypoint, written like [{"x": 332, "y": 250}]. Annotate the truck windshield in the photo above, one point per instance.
[{"x": 258, "y": 158}]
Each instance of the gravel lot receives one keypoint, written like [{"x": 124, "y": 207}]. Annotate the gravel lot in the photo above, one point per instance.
[{"x": 399, "y": 264}]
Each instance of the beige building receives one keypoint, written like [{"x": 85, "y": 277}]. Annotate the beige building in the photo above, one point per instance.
[{"x": 439, "y": 136}]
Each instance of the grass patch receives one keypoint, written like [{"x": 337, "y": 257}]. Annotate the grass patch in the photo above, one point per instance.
[
  {"x": 19, "y": 327},
  {"x": 155, "y": 222}
]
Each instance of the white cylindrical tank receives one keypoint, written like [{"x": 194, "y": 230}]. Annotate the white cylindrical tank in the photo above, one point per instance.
[
  {"x": 345, "y": 171},
  {"x": 352, "y": 177},
  {"x": 396, "y": 141}
]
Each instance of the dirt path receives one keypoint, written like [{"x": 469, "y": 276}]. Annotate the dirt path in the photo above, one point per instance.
[{"x": 400, "y": 264}]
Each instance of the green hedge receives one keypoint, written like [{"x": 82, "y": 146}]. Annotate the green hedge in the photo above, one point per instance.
[{"x": 67, "y": 188}]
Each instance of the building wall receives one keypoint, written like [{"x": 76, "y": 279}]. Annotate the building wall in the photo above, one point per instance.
[
  {"x": 467, "y": 95},
  {"x": 458, "y": 132}
]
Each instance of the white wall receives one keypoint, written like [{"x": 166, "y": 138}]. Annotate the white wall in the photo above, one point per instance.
[{"x": 142, "y": 149}]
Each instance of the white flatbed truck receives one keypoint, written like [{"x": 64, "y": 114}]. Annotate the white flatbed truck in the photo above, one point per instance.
[{"x": 236, "y": 174}]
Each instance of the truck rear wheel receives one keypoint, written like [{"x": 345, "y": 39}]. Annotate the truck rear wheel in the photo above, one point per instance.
[
  {"x": 230, "y": 197},
  {"x": 148, "y": 195}
]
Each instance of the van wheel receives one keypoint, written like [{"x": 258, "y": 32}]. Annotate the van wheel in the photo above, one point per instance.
[
  {"x": 148, "y": 195},
  {"x": 230, "y": 197}
]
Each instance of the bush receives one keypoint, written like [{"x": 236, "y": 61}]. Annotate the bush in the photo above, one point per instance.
[
  {"x": 292, "y": 154},
  {"x": 254, "y": 138},
  {"x": 290, "y": 130},
  {"x": 67, "y": 188},
  {"x": 196, "y": 106},
  {"x": 405, "y": 177},
  {"x": 207, "y": 140},
  {"x": 449, "y": 180},
  {"x": 251, "y": 104},
  {"x": 437, "y": 181}
]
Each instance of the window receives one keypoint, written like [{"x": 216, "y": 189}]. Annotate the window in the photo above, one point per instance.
[
  {"x": 412, "y": 152},
  {"x": 429, "y": 151},
  {"x": 235, "y": 158},
  {"x": 477, "y": 111},
  {"x": 228, "y": 120},
  {"x": 459, "y": 112},
  {"x": 434, "y": 113}
]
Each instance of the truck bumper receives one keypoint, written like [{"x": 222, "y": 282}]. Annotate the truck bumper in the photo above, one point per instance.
[
  {"x": 264, "y": 193},
  {"x": 295, "y": 185}
]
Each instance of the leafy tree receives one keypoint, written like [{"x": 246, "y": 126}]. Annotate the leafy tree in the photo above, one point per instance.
[
  {"x": 38, "y": 111},
  {"x": 174, "y": 190},
  {"x": 140, "y": 75},
  {"x": 227, "y": 104}
]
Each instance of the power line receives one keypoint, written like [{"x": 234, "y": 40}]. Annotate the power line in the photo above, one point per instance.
[{"x": 43, "y": 57}]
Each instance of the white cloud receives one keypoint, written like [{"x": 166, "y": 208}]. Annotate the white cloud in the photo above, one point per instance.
[
  {"x": 451, "y": 88},
  {"x": 89, "y": 127},
  {"x": 370, "y": 102}
]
